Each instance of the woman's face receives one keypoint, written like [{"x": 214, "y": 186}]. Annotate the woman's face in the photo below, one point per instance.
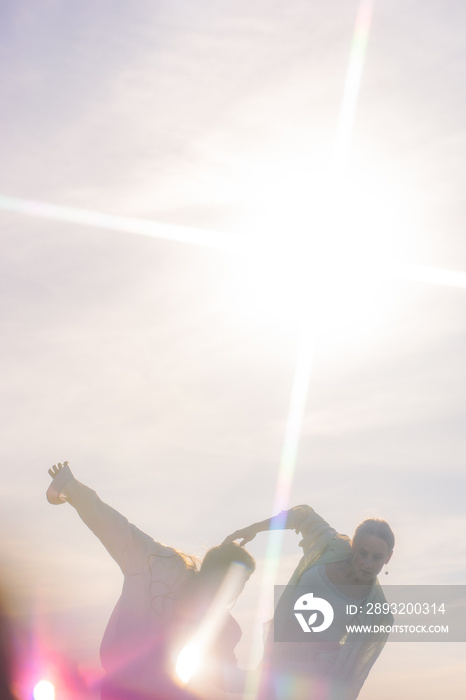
[{"x": 369, "y": 554}]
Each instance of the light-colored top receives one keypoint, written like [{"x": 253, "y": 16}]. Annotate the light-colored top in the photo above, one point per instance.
[
  {"x": 357, "y": 652},
  {"x": 315, "y": 578},
  {"x": 134, "y": 643}
]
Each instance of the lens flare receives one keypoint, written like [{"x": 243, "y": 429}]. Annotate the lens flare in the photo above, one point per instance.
[
  {"x": 302, "y": 374},
  {"x": 426, "y": 274},
  {"x": 189, "y": 661},
  {"x": 192, "y": 657},
  {"x": 44, "y": 690},
  {"x": 142, "y": 227},
  {"x": 352, "y": 83}
]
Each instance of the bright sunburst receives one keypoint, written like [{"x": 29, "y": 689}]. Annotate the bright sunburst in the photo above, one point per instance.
[{"x": 321, "y": 255}]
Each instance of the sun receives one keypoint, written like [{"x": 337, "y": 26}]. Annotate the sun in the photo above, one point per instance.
[{"x": 319, "y": 252}]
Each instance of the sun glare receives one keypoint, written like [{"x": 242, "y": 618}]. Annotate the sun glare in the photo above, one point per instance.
[
  {"x": 189, "y": 662},
  {"x": 192, "y": 658},
  {"x": 320, "y": 252},
  {"x": 44, "y": 690}
]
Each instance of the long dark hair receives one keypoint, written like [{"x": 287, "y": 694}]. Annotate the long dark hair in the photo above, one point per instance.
[
  {"x": 219, "y": 559},
  {"x": 194, "y": 579},
  {"x": 191, "y": 603}
]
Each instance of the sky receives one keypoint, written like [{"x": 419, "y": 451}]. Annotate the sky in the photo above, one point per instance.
[{"x": 255, "y": 197}]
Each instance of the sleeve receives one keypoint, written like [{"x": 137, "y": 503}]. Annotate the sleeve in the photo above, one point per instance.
[
  {"x": 127, "y": 545},
  {"x": 316, "y": 533}
]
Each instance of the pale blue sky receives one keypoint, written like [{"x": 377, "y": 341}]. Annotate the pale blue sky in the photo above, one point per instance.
[{"x": 152, "y": 366}]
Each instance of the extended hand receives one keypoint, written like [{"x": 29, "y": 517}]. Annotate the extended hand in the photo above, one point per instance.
[
  {"x": 285, "y": 520},
  {"x": 61, "y": 475},
  {"x": 246, "y": 533},
  {"x": 56, "y": 468}
]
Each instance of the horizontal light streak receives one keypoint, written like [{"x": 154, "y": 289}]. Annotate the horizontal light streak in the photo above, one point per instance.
[
  {"x": 112, "y": 222},
  {"x": 428, "y": 274},
  {"x": 204, "y": 237}
]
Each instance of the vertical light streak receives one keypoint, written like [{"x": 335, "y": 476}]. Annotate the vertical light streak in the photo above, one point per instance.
[
  {"x": 299, "y": 392},
  {"x": 302, "y": 373},
  {"x": 352, "y": 86},
  {"x": 194, "y": 654}
]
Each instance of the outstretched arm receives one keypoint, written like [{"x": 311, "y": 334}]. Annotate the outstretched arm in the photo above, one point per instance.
[{"x": 291, "y": 519}]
